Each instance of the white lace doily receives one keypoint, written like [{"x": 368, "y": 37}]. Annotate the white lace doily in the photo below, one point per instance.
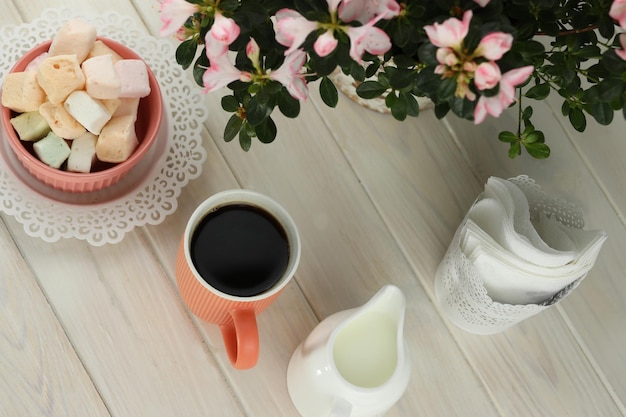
[
  {"x": 459, "y": 290},
  {"x": 149, "y": 192}
]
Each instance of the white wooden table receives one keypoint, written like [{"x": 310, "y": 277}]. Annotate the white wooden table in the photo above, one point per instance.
[{"x": 101, "y": 331}]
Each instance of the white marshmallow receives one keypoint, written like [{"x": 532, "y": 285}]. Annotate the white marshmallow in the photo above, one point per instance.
[
  {"x": 83, "y": 153},
  {"x": 52, "y": 150},
  {"x": 133, "y": 75},
  {"x": 88, "y": 111},
  {"x": 75, "y": 37},
  {"x": 101, "y": 80},
  {"x": 117, "y": 140}
]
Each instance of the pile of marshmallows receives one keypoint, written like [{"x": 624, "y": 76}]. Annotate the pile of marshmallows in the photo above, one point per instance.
[{"x": 80, "y": 92}]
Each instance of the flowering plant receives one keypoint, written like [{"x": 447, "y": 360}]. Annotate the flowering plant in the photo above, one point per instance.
[{"x": 473, "y": 58}]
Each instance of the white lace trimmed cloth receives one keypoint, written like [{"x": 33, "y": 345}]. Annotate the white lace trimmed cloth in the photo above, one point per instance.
[
  {"x": 149, "y": 192},
  {"x": 460, "y": 292}
]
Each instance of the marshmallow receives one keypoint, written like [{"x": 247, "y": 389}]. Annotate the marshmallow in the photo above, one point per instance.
[
  {"x": 111, "y": 104},
  {"x": 127, "y": 107},
  {"x": 89, "y": 112},
  {"x": 61, "y": 122},
  {"x": 117, "y": 140},
  {"x": 75, "y": 37},
  {"x": 30, "y": 126},
  {"x": 21, "y": 92},
  {"x": 52, "y": 150},
  {"x": 133, "y": 75},
  {"x": 100, "y": 48},
  {"x": 59, "y": 76},
  {"x": 34, "y": 64},
  {"x": 83, "y": 153},
  {"x": 101, "y": 80}
]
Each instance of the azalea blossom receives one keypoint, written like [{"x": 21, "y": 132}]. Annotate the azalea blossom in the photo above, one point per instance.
[
  {"x": 450, "y": 33},
  {"x": 174, "y": 14},
  {"x": 290, "y": 75},
  {"x": 622, "y": 52},
  {"x": 618, "y": 12},
  {"x": 325, "y": 43},
  {"x": 292, "y": 29},
  {"x": 481, "y": 3},
  {"x": 224, "y": 29},
  {"x": 367, "y": 38},
  {"x": 221, "y": 70},
  {"x": 495, "y": 105},
  {"x": 487, "y": 75},
  {"x": 365, "y": 10},
  {"x": 494, "y": 45}
]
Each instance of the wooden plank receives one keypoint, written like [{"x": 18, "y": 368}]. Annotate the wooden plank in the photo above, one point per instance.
[
  {"x": 436, "y": 194},
  {"x": 36, "y": 358},
  {"x": 129, "y": 327}
]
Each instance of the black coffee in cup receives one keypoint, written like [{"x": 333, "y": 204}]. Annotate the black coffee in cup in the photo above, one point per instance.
[{"x": 240, "y": 249}]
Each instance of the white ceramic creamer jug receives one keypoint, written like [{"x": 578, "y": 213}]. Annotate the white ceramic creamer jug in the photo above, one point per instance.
[{"x": 354, "y": 363}]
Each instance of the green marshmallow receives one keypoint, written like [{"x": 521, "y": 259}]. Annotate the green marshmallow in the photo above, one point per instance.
[
  {"x": 52, "y": 150},
  {"x": 30, "y": 126}
]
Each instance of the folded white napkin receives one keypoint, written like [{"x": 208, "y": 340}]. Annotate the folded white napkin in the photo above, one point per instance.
[{"x": 519, "y": 260}]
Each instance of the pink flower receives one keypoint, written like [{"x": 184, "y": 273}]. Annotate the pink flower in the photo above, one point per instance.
[
  {"x": 292, "y": 29},
  {"x": 482, "y": 3},
  {"x": 174, "y": 14},
  {"x": 450, "y": 33},
  {"x": 495, "y": 105},
  {"x": 325, "y": 44},
  {"x": 487, "y": 75},
  {"x": 446, "y": 57},
  {"x": 494, "y": 45},
  {"x": 367, "y": 38},
  {"x": 622, "y": 52},
  {"x": 618, "y": 12},
  {"x": 289, "y": 74},
  {"x": 224, "y": 29},
  {"x": 365, "y": 10},
  {"x": 221, "y": 71}
]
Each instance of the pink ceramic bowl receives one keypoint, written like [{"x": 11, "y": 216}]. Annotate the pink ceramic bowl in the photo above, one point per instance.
[{"x": 103, "y": 175}]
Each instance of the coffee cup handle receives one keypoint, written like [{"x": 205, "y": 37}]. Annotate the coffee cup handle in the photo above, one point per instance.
[{"x": 241, "y": 339}]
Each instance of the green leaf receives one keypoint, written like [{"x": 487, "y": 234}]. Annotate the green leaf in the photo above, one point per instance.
[
  {"x": 186, "y": 52},
  {"x": 328, "y": 92},
  {"x": 535, "y": 136},
  {"x": 508, "y": 137},
  {"x": 602, "y": 112},
  {"x": 233, "y": 126},
  {"x": 577, "y": 119},
  {"x": 370, "y": 89},
  {"x": 447, "y": 89},
  {"x": 230, "y": 104},
  {"x": 538, "y": 92},
  {"x": 288, "y": 105},
  {"x": 266, "y": 131},
  {"x": 515, "y": 149},
  {"x": 257, "y": 110},
  {"x": 397, "y": 106},
  {"x": 442, "y": 109},
  {"x": 245, "y": 140},
  {"x": 412, "y": 106},
  {"x": 537, "y": 150}
]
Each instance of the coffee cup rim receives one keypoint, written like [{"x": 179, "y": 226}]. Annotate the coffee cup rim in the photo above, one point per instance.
[{"x": 253, "y": 198}]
